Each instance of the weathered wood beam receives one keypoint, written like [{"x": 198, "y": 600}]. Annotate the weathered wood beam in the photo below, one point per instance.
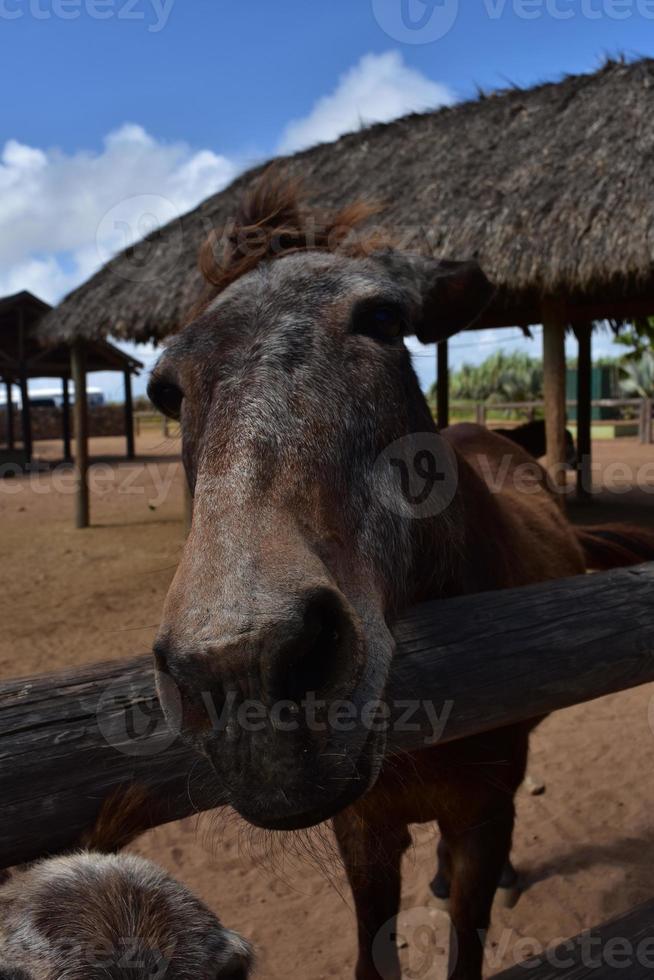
[
  {"x": 463, "y": 666},
  {"x": 622, "y": 948}
]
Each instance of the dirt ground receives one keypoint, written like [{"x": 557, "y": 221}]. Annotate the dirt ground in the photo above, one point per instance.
[{"x": 585, "y": 847}]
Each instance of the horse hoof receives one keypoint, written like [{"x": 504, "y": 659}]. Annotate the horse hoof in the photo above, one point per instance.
[
  {"x": 534, "y": 787},
  {"x": 508, "y": 898}
]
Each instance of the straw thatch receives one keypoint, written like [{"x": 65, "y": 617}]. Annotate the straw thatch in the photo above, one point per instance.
[{"x": 551, "y": 188}]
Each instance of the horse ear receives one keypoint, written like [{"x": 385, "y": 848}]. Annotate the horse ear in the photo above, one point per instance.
[
  {"x": 447, "y": 296},
  {"x": 456, "y": 295}
]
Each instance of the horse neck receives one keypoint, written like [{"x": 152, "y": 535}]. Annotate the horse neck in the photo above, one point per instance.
[{"x": 469, "y": 548}]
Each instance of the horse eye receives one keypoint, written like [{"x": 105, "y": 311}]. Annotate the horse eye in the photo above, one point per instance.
[
  {"x": 166, "y": 397},
  {"x": 379, "y": 321}
]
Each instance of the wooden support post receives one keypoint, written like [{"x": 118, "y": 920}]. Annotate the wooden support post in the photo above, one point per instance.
[
  {"x": 65, "y": 419},
  {"x": 480, "y": 413},
  {"x": 554, "y": 391},
  {"x": 11, "y": 443},
  {"x": 442, "y": 385},
  {"x": 129, "y": 414},
  {"x": 583, "y": 332},
  {"x": 26, "y": 417},
  {"x": 78, "y": 371}
]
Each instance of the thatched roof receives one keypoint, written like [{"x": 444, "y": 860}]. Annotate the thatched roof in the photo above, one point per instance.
[
  {"x": 24, "y": 351},
  {"x": 551, "y": 188}
]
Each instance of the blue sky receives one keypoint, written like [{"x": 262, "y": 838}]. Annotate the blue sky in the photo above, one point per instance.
[{"x": 108, "y": 101}]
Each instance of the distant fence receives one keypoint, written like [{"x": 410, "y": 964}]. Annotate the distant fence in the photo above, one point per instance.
[
  {"x": 47, "y": 422},
  {"x": 642, "y": 408},
  {"x": 152, "y": 420}
]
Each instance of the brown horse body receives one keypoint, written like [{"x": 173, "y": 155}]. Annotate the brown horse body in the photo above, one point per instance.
[
  {"x": 291, "y": 383},
  {"x": 512, "y": 536}
]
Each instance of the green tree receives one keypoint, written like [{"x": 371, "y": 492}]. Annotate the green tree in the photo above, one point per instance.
[
  {"x": 501, "y": 377},
  {"x": 638, "y": 336},
  {"x": 637, "y": 376}
]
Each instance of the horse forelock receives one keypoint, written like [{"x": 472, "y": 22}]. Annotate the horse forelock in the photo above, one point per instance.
[{"x": 274, "y": 220}]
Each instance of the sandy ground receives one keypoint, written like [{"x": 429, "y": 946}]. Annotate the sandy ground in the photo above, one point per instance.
[{"x": 585, "y": 848}]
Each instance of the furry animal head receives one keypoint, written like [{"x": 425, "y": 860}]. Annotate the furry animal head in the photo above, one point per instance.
[{"x": 92, "y": 916}]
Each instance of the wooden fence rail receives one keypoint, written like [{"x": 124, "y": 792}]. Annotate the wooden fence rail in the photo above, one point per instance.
[
  {"x": 645, "y": 407},
  {"x": 470, "y": 664}
]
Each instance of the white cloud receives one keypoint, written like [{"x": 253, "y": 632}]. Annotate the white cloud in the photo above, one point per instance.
[
  {"x": 379, "y": 88},
  {"x": 63, "y": 215}
]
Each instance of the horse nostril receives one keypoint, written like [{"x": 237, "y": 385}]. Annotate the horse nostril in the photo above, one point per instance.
[{"x": 317, "y": 659}]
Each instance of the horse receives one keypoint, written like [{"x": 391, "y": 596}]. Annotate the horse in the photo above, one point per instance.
[
  {"x": 97, "y": 914},
  {"x": 531, "y": 436},
  {"x": 304, "y": 431}
]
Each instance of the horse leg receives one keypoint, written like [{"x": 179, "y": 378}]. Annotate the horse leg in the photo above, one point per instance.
[
  {"x": 478, "y": 857},
  {"x": 442, "y": 882},
  {"x": 372, "y": 856},
  {"x": 508, "y": 886}
]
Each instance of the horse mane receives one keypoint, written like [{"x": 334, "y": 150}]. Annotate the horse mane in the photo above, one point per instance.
[{"x": 274, "y": 220}]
